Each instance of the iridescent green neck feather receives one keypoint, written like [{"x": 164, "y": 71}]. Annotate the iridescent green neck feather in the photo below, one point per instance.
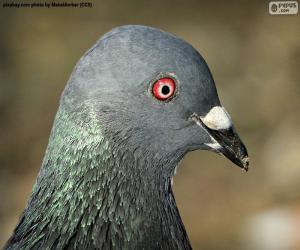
[{"x": 93, "y": 193}]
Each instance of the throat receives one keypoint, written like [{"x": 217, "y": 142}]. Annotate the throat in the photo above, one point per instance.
[{"x": 132, "y": 209}]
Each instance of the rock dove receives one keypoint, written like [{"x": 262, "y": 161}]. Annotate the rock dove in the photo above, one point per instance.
[{"x": 135, "y": 104}]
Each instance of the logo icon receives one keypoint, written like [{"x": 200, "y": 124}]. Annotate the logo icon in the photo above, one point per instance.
[
  {"x": 283, "y": 7},
  {"x": 274, "y": 7}
]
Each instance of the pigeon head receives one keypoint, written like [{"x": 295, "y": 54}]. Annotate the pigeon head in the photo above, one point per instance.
[
  {"x": 135, "y": 104},
  {"x": 155, "y": 93}
]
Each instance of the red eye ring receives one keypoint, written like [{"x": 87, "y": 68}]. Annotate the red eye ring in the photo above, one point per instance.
[{"x": 164, "y": 88}]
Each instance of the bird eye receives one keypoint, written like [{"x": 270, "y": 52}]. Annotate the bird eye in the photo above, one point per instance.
[{"x": 164, "y": 88}]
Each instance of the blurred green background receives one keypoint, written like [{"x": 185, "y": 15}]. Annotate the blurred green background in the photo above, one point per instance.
[{"x": 254, "y": 58}]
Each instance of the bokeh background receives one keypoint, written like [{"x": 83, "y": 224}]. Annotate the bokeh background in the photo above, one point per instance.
[{"x": 255, "y": 61}]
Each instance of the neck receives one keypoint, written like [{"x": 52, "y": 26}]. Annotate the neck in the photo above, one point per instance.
[{"x": 92, "y": 193}]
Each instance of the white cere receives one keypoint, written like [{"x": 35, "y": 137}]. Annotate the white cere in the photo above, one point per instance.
[{"x": 217, "y": 118}]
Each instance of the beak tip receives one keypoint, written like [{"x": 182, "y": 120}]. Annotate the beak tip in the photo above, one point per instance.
[{"x": 245, "y": 163}]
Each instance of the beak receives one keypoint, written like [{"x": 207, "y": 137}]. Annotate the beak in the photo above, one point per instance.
[{"x": 230, "y": 145}]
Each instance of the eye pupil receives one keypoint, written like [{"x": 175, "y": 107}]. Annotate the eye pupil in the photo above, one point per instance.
[{"x": 165, "y": 90}]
